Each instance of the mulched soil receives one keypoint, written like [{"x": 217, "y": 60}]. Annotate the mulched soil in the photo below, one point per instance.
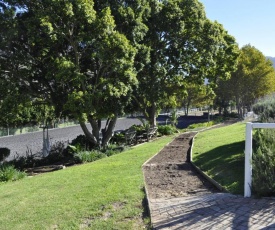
[{"x": 170, "y": 173}]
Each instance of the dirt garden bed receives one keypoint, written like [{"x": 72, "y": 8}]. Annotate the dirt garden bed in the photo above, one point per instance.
[{"x": 170, "y": 173}]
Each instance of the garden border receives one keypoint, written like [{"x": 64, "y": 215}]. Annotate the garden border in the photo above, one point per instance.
[{"x": 212, "y": 181}]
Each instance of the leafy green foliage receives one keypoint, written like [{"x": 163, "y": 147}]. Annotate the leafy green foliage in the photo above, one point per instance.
[
  {"x": 76, "y": 60},
  {"x": 88, "y": 156},
  {"x": 9, "y": 173},
  {"x": 180, "y": 54},
  {"x": 263, "y": 162},
  {"x": 113, "y": 149},
  {"x": 118, "y": 138},
  {"x": 195, "y": 95},
  {"x": 174, "y": 118},
  {"x": 201, "y": 125},
  {"x": 263, "y": 158},
  {"x": 253, "y": 79},
  {"x": 167, "y": 129},
  {"x": 265, "y": 108},
  {"x": 81, "y": 143}
]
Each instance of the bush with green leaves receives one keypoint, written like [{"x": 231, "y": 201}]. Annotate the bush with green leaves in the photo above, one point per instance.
[
  {"x": 81, "y": 142},
  {"x": 113, "y": 149},
  {"x": 167, "y": 130},
  {"x": 201, "y": 125},
  {"x": 118, "y": 138},
  {"x": 265, "y": 108},
  {"x": 174, "y": 118},
  {"x": 58, "y": 154},
  {"x": 9, "y": 173},
  {"x": 263, "y": 160},
  {"x": 25, "y": 161},
  {"x": 263, "y": 163},
  {"x": 88, "y": 156}
]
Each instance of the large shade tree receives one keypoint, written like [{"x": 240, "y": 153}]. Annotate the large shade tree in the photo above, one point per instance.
[
  {"x": 72, "y": 55},
  {"x": 253, "y": 79},
  {"x": 184, "y": 47},
  {"x": 195, "y": 95}
]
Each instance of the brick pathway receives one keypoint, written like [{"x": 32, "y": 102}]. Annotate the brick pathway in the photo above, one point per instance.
[{"x": 213, "y": 211}]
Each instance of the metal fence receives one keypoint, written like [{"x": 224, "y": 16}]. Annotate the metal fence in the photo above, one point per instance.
[{"x": 8, "y": 131}]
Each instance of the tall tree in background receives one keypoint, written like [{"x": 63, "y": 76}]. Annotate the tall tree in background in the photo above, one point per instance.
[
  {"x": 196, "y": 96},
  {"x": 184, "y": 47},
  {"x": 254, "y": 78}
]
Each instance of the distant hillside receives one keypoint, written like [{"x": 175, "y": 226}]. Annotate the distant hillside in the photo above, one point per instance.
[{"x": 272, "y": 59}]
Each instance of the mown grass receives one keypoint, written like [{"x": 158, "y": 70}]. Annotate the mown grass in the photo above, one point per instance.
[
  {"x": 220, "y": 154},
  {"x": 106, "y": 194}
]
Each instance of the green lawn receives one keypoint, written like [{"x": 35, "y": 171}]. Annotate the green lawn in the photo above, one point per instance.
[
  {"x": 106, "y": 194},
  {"x": 220, "y": 154}
]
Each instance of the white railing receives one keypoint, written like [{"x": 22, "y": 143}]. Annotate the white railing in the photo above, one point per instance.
[{"x": 248, "y": 153}]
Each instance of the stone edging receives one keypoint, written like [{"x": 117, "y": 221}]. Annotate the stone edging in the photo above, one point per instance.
[
  {"x": 145, "y": 185},
  {"x": 144, "y": 179}
]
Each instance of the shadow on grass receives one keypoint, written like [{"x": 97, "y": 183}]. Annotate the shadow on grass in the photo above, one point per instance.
[
  {"x": 225, "y": 164},
  {"x": 146, "y": 211}
]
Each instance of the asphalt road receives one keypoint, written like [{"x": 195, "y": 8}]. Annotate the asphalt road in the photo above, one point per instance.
[{"x": 33, "y": 142}]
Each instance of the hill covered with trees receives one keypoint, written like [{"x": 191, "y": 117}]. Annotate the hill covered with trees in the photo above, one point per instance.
[{"x": 272, "y": 59}]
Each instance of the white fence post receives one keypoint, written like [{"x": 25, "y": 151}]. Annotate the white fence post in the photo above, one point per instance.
[{"x": 248, "y": 160}]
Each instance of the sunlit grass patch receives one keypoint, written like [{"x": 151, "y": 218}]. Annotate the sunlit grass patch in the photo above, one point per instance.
[{"x": 220, "y": 153}]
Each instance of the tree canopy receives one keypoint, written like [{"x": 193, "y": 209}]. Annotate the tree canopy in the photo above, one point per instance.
[
  {"x": 72, "y": 56},
  {"x": 90, "y": 59},
  {"x": 253, "y": 79},
  {"x": 184, "y": 47}
]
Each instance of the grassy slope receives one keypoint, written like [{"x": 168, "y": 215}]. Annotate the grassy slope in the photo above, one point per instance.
[
  {"x": 106, "y": 194},
  {"x": 220, "y": 153}
]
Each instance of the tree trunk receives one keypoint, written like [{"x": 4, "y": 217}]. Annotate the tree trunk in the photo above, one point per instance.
[
  {"x": 151, "y": 111},
  {"x": 187, "y": 108},
  {"x": 96, "y": 126},
  {"x": 107, "y": 132},
  {"x": 185, "y": 111},
  {"x": 91, "y": 138}
]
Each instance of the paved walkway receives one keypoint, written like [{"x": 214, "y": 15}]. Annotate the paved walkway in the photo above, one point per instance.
[
  {"x": 220, "y": 211},
  {"x": 213, "y": 211}
]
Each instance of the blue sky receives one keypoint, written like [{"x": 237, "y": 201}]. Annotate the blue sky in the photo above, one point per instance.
[{"x": 249, "y": 21}]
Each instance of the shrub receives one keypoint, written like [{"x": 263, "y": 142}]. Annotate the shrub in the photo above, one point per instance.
[
  {"x": 58, "y": 153},
  {"x": 9, "y": 173},
  {"x": 88, "y": 156},
  {"x": 113, "y": 149},
  {"x": 167, "y": 129},
  {"x": 82, "y": 143},
  {"x": 4, "y": 153},
  {"x": 263, "y": 163},
  {"x": 140, "y": 129},
  {"x": 265, "y": 108},
  {"x": 263, "y": 160},
  {"x": 27, "y": 161},
  {"x": 201, "y": 125},
  {"x": 174, "y": 118},
  {"x": 118, "y": 138},
  {"x": 234, "y": 115}
]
